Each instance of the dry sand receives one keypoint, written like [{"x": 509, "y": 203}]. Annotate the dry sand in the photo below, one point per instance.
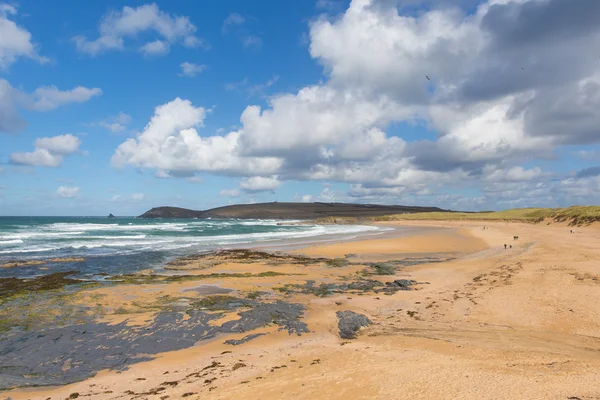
[{"x": 521, "y": 323}]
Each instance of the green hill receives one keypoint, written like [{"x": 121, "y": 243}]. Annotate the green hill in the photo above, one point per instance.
[{"x": 575, "y": 216}]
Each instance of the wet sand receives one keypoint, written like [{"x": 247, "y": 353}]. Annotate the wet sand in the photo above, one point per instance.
[{"x": 520, "y": 323}]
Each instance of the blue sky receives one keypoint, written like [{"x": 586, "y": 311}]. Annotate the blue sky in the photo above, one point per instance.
[{"x": 146, "y": 104}]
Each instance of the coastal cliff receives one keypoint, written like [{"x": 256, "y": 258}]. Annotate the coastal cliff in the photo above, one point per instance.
[{"x": 278, "y": 210}]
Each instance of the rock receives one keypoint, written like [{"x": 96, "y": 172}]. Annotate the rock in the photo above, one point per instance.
[
  {"x": 401, "y": 284},
  {"x": 350, "y": 322},
  {"x": 245, "y": 339},
  {"x": 111, "y": 216}
]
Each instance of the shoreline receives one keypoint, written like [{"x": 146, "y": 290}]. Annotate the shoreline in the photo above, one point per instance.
[{"x": 452, "y": 316}]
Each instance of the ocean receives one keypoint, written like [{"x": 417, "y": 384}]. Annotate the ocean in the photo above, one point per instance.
[{"x": 128, "y": 244}]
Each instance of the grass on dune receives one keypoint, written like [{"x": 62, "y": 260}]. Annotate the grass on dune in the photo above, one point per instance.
[{"x": 576, "y": 215}]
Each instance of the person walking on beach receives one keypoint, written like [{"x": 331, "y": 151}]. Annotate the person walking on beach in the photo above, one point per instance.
[{"x": 504, "y": 246}]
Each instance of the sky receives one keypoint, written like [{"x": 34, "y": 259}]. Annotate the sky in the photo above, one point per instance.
[{"x": 117, "y": 107}]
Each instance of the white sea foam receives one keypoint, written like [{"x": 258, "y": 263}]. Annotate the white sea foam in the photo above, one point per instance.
[
  {"x": 10, "y": 242},
  {"x": 114, "y": 239}
]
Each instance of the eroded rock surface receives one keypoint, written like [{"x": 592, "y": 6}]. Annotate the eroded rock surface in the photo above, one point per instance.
[
  {"x": 72, "y": 353},
  {"x": 350, "y": 322}
]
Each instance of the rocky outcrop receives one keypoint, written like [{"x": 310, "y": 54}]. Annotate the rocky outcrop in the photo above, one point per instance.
[
  {"x": 350, "y": 322},
  {"x": 401, "y": 284},
  {"x": 331, "y": 212},
  {"x": 111, "y": 216}
]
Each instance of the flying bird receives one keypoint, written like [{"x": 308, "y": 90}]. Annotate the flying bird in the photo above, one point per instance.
[{"x": 427, "y": 76}]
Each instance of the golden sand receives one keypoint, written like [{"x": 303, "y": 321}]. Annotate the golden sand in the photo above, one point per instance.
[{"x": 520, "y": 323}]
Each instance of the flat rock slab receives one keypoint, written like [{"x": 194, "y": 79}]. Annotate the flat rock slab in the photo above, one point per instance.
[
  {"x": 73, "y": 353},
  {"x": 350, "y": 322}
]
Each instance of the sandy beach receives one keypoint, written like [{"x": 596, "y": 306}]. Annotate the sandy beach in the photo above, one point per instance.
[{"x": 481, "y": 322}]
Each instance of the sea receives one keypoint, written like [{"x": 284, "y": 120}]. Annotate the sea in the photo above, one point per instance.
[{"x": 127, "y": 244}]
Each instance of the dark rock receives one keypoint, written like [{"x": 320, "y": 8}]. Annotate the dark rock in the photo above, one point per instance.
[
  {"x": 67, "y": 354},
  {"x": 111, "y": 216},
  {"x": 401, "y": 284},
  {"x": 350, "y": 322},
  {"x": 245, "y": 339}
]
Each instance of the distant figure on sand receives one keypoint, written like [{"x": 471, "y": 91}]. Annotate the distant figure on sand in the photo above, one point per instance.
[
  {"x": 515, "y": 238},
  {"x": 504, "y": 246}
]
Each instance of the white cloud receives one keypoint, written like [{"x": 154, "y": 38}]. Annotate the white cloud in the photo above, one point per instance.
[
  {"x": 134, "y": 198},
  {"x": 235, "y": 22},
  {"x": 260, "y": 184},
  {"x": 252, "y": 89},
  {"x": 170, "y": 143},
  {"x": 15, "y": 41},
  {"x": 46, "y": 98},
  {"x": 49, "y": 151},
  {"x": 37, "y": 158},
  {"x": 230, "y": 193},
  {"x": 232, "y": 19},
  {"x": 138, "y": 197},
  {"x": 117, "y": 123},
  {"x": 327, "y": 4},
  {"x": 68, "y": 192},
  {"x": 61, "y": 145},
  {"x": 155, "y": 48},
  {"x": 514, "y": 174},
  {"x": 190, "y": 69},
  {"x": 492, "y": 97},
  {"x": 130, "y": 22},
  {"x": 252, "y": 41},
  {"x": 307, "y": 198},
  {"x": 328, "y": 195},
  {"x": 9, "y": 116}
]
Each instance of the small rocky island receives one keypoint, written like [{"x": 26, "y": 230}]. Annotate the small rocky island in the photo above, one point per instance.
[{"x": 111, "y": 216}]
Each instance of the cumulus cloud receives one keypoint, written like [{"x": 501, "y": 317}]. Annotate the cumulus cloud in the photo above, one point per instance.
[
  {"x": 44, "y": 98},
  {"x": 502, "y": 84},
  {"x": 307, "y": 198},
  {"x": 68, "y": 192},
  {"x": 190, "y": 69},
  {"x": 260, "y": 184},
  {"x": 48, "y": 152},
  {"x": 116, "y": 26},
  {"x": 15, "y": 41},
  {"x": 170, "y": 143}
]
